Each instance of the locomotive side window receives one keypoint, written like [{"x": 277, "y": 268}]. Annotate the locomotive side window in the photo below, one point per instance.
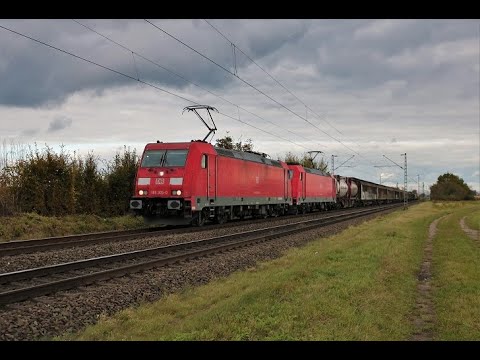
[
  {"x": 290, "y": 174},
  {"x": 204, "y": 161},
  {"x": 301, "y": 176}
]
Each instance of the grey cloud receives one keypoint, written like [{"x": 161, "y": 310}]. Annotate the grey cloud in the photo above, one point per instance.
[
  {"x": 357, "y": 64},
  {"x": 34, "y": 75},
  {"x": 29, "y": 132},
  {"x": 59, "y": 123}
]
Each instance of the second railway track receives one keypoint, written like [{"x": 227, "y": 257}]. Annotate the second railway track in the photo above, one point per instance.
[
  {"x": 30, "y": 283},
  {"x": 17, "y": 247}
]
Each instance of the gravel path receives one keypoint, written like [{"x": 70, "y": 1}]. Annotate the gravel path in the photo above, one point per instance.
[
  {"x": 68, "y": 311},
  {"x": 423, "y": 317},
  {"x": 472, "y": 233}
]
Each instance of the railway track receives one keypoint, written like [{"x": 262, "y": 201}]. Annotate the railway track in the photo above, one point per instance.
[
  {"x": 25, "y": 284},
  {"x": 53, "y": 243}
]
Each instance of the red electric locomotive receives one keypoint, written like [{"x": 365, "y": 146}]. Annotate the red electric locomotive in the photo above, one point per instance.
[
  {"x": 192, "y": 182},
  {"x": 182, "y": 183},
  {"x": 312, "y": 189}
]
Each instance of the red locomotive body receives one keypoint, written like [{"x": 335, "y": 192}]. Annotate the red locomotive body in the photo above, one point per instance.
[
  {"x": 312, "y": 189},
  {"x": 181, "y": 183}
]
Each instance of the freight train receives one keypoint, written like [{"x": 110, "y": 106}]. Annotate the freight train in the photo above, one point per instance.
[{"x": 194, "y": 182}]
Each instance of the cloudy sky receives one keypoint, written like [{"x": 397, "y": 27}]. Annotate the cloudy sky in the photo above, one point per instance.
[{"x": 348, "y": 87}]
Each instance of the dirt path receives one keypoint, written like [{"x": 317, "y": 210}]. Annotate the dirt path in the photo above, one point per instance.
[
  {"x": 474, "y": 234},
  {"x": 424, "y": 313}
]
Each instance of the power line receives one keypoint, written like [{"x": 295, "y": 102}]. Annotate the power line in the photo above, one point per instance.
[
  {"x": 278, "y": 82},
  {"x": 185, "y": 79},
  {"x": 266, "y": 72},
  {"x": 247, "y": 83},
  {"x": 94, "y": 63},
  {"x": 141, "y": 81}
]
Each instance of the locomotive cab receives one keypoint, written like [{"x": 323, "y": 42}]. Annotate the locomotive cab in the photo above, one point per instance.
[
  {"x": 191, "y": 183},
  {"x": 165, "y": 182}
]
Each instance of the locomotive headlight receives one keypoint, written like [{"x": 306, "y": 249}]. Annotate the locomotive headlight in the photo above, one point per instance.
[
  {"x": 161, "y": 173},
  {"x": 177, "y": 192},
  {"x": 140, "y": 192}
]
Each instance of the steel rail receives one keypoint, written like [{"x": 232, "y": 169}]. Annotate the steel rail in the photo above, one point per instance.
[
  {"x": 18, "y": 247},
  {"x": 227, "y": 242}
]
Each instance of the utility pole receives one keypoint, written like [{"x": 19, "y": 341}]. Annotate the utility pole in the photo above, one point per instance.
[
  {"x": 418, "y": 185},
  {"x": 423, "y": 190},
  {"x": 405, "y": 199},
  {"x": 404, "y": 167},
  {"x": 333, "y": 164}
]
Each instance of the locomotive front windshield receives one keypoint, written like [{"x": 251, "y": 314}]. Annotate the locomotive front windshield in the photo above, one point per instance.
[{"x": 164, "y": 158}]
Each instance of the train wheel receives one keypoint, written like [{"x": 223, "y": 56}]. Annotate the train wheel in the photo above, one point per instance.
[
  {"x": 222, "y": 218},
  {"x": 200, "y": 219}
]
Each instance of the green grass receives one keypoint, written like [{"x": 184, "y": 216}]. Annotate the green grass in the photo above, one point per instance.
[
  {"x": 456, "y": 267},
  {"x": 357, "y": 285},
  {"x": 473, "y": 220},
  {"x": 31, "y": 225}
]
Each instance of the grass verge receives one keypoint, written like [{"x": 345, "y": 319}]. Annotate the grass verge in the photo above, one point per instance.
[
  {"x": 473, "y": 220},
  {"x": 357, "y": 285},
  {"x": 456, "y": 279},
  {"x": 32, "y": 226}
]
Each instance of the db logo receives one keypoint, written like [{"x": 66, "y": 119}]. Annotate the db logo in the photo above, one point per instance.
[{"x": 160, "y": 181}]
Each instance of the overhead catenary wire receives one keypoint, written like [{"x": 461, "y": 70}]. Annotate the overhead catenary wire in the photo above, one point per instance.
[
  {"x": 266, "y": 72},
  {"x": 143, "y": 82},
  {"x": 320, "y": 117},
  {"x": 247, "y": 83},
  {"x": 187, "y": 80}
]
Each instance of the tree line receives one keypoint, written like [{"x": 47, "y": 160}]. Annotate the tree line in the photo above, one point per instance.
[
  {"x": 58, "y": 183},
  {"x": 451, "y": 187}
]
